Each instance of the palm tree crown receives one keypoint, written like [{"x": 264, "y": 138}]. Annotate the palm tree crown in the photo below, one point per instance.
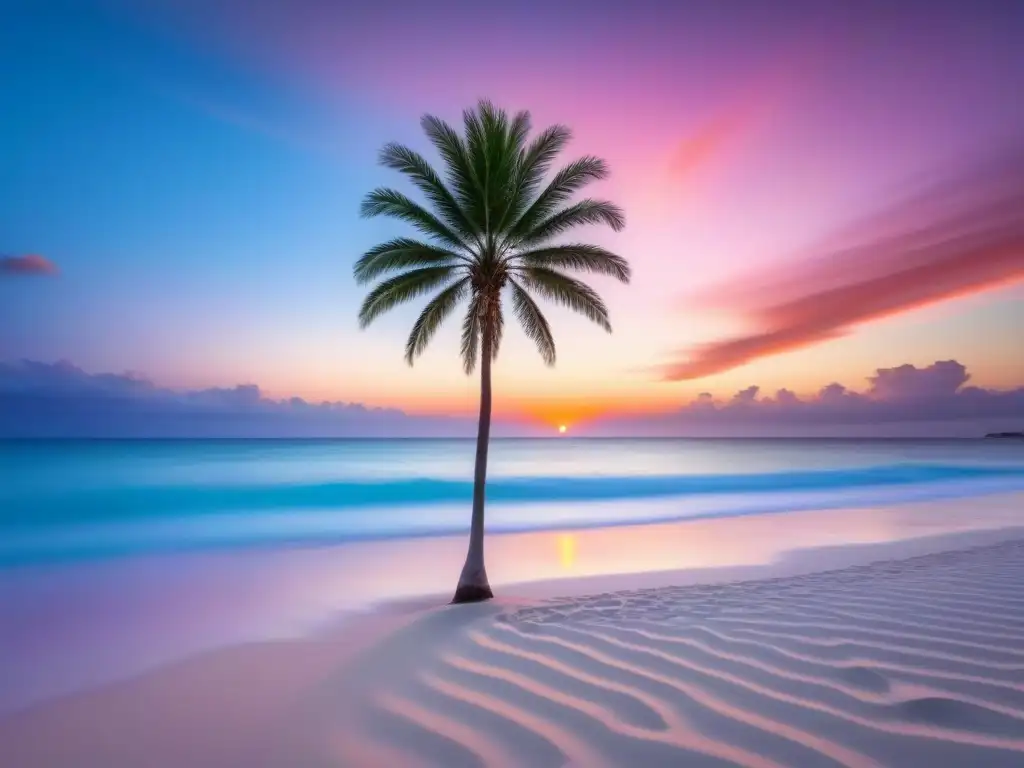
[{"x": 489, "y": 227}]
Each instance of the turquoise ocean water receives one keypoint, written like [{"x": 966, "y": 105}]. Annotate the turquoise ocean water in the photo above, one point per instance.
[{"x": 86, "y": 499}]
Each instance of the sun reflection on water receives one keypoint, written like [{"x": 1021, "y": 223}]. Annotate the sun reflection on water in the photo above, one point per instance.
[{"x": 566, "y": 550}]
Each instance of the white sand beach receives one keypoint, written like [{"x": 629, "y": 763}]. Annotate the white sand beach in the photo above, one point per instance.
[{"x": 906, "y": 651}]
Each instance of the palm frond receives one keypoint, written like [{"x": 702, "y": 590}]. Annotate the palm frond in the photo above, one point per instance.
[
  {"x": 564, "y": 185},
  {"x": 532, "y": 166},
  {"x": 473, "y": 331},
  {"x": 508, "y": 139},
  {"x": 497, "y": 332},
  {"x": 534, "y": 324},
  {"x": 518, "y": 131},
  {"x": 476, "y": 152},
  {"x": 470, "y": 336},
  {"x": 402, "y": 288},
  {"x": 458, "y": 170},
  {"x": 580, "y": 257},
  {"x": 389, "y": 202},
  {"x": 584, "y": 212},
  {"x": 575, "y": 295},
  {"x": 411, "y": 163},
  {"x": 400, "y": 254},
  {"x": 433, "y": 315},
  {"x": 494, "y": 143},
  {"x": 537, "y": 160}
]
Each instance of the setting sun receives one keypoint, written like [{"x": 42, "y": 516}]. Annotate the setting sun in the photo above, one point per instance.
[{"x": 562, "y": 429}]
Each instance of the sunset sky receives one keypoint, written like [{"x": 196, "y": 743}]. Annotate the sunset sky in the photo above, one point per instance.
[{"x": 180, "y": 183}]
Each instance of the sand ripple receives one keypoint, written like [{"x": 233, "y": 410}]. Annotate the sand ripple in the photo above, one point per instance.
[{"x": 910, "y": 663}]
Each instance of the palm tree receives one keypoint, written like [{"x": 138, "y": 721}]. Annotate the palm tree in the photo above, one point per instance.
[{"x": 489, "y": 229}]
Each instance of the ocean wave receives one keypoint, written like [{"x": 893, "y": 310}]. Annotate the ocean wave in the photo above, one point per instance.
[
  {"x": 241, "y": 517},
  {"x": 61, "y": 507}
]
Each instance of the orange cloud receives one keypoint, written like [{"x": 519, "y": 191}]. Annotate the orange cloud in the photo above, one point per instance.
[
  {"x": 961, "y": 236},
  {"x": 31, "y": 264}
]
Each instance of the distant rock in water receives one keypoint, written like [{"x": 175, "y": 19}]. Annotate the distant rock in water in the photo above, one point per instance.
[{"x": 1001, "y": 435}]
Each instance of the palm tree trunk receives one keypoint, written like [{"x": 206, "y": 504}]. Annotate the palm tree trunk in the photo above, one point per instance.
[{"x": 473, "y": 585}]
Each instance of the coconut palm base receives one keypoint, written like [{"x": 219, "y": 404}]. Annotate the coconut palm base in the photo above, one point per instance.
[{"x": 472, "y": 593}]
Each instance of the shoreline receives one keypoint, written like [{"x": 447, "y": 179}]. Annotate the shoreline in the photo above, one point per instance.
[
  {"x": 358, "y": 694},
  {"x": 796, "y": 562},
  {"x": 132, "y": 617}
]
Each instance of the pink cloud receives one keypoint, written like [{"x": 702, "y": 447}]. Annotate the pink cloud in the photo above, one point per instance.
[
  {"x": 31, "y": 264},
  {"x": 962, "y": 235},
  {"x": 744, "y": 114},
  {"x": 707, "y": 142}
]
